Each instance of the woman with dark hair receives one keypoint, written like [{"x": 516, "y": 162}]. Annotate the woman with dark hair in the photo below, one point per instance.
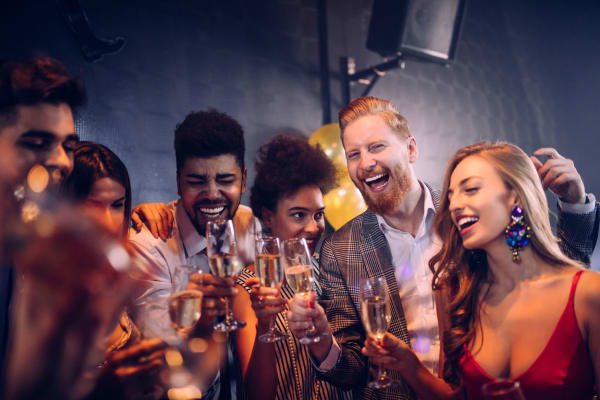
[
  {"x": 287, "y": 196},
  {"x": 514, "y": 306},
  {"x": 101, "y": 182}
]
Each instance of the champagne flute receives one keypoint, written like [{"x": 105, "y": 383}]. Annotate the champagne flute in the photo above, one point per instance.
[
  {"x": 180, "y": 374},
  {"x": 502, "y": 390},
  {"x": 224, "y": 262},
  {"x": 376, "y": 316},
  {"x": 185, "y": 305},
  {"x": 298, "y": 272},
  {"x": 269, "y": 271}
]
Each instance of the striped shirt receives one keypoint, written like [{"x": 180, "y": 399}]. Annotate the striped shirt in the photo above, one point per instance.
[{"x": 296, "y": 378}]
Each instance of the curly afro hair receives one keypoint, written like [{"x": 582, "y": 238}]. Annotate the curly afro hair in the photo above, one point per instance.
[
  {"x": 205, "y": 134},
  {"x": 285, "y": 164}
]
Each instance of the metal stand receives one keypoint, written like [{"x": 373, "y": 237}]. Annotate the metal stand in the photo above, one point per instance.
[{"x": 368, "y": 76}]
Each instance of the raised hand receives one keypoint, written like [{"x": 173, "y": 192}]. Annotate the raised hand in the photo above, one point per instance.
[
  {"x": 213, "y": 289},
  {"x": 266, "y": 303},
  {"x": 132, "y": 371},
  {"x": 559, "y": 175},
  {"x": 157, "y": 217},
  {"x": 390, "y": 351},
  {"x": 72, "y": 287},
  {"x": 303, "y": 310}
]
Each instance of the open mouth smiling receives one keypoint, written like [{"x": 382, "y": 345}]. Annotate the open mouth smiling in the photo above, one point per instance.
[
  {"x": 465, "y": 223},
  {"x": 211, "y": 212},
  {"x": 377, "y": 182}
]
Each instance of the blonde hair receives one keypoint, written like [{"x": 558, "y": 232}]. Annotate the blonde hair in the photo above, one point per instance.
[
  {"x": 464, "y": 272},
  {"x": 364, "y": 106}
]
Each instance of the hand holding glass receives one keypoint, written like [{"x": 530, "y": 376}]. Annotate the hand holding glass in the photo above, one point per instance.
[
  {"x": 298, "y": 272},
  {"x": 269, "y": 271},
  {"x": 185, "y": 305},
  {"x": 376, "y": 316},
  {"x": 224, "y": 262}
]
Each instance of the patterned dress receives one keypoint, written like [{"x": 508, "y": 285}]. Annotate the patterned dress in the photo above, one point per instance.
[{"x": 296, "y": 378}]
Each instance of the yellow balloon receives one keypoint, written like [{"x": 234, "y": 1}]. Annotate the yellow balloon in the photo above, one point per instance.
[{"x": 343, "y": 202}]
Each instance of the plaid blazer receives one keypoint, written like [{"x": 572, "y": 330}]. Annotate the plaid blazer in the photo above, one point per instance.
[
  {"x": 358, "y": 250},
  {"x": 578, "y": 234}
]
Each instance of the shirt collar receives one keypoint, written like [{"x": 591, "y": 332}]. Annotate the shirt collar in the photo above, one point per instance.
[
  {"x": 193, "y": 242},
  {"x": 428, "y": 215}
]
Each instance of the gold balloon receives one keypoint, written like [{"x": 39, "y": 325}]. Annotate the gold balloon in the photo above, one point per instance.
[{"x": 343, "y": 202}]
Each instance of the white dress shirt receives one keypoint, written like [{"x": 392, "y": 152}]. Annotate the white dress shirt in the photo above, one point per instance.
[
  {"x": 155, "y": 261},
  {"x": 410, "y": 257}
]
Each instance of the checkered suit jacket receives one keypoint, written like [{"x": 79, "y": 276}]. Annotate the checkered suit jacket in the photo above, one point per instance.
[
  {"x": 578, "y": 234},
  {"x": 359, "y": 250}
]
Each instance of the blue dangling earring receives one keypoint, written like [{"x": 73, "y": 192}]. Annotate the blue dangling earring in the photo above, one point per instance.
[{"x": 517, "y": 234}]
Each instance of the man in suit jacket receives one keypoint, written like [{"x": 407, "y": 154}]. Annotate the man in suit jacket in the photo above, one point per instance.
[{"x": 392, "y": 239}]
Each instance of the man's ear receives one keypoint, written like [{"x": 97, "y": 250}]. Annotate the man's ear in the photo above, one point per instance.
[
  {"x": 244, "y": 173},
  {"x": 178, "y": 186},
  {"x": 267, "y": 217},
  {"x": 413, "y": 152}
]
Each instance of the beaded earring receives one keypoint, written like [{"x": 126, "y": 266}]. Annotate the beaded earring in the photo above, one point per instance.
[{"x": 517, "y": 233}]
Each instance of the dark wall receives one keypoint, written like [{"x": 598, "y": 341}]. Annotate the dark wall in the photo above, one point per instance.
[{"x": 523, "y": 73}]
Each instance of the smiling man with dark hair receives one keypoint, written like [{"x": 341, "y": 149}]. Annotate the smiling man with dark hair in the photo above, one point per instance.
[
  {"x": 211, "y": 178},
  {"x": 37, "y": 99}
]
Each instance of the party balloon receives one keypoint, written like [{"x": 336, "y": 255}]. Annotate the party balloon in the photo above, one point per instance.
[{"x": 343, "y": 202}]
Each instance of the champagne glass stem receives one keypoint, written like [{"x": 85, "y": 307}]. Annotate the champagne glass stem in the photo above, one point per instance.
[
  {"x": 272, "y": 326},
  {"x": 380, "y": 372},
  {"x": 228, "y": 313}
]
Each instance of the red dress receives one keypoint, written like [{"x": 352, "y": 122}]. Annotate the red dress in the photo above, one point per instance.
[{"x": 563, "y": 370}]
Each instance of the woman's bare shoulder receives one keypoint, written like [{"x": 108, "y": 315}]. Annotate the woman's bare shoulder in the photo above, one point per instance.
[{"x": 589, "y": 288}]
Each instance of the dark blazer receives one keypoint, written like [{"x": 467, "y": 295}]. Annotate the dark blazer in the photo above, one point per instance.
[
  {"x": 578, "y": 234},
  {"x": 358, "y": 250}
]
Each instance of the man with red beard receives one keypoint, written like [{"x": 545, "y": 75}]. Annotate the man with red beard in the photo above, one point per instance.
[{"x": 392, "y": 239}]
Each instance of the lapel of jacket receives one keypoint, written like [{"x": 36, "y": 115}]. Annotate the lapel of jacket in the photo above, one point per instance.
[
  {"x": 377, "y": 261},
  {"x": 435, "y": 195}
]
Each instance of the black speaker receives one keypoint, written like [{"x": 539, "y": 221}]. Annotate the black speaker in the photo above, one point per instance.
[{"x": 423, "y": 28}]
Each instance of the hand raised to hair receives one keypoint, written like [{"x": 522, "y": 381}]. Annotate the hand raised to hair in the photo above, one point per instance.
[{"x": 559, "y": 175}]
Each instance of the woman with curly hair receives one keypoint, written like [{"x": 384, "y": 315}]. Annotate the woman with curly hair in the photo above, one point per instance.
[
  {"x": 516, "y": 308},
  {"x": 287, "y": 196}
]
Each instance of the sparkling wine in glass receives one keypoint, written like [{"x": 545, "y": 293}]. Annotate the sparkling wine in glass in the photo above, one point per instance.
[
  {"x": 376, "y": 316},
  {"x": 269, "y": 270},
  {"x": 224, "y": 262},
  {"x": 185, "y": 305},
  {"x": 298, "y": 272},
  {"x": 502, "y": 390}
]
